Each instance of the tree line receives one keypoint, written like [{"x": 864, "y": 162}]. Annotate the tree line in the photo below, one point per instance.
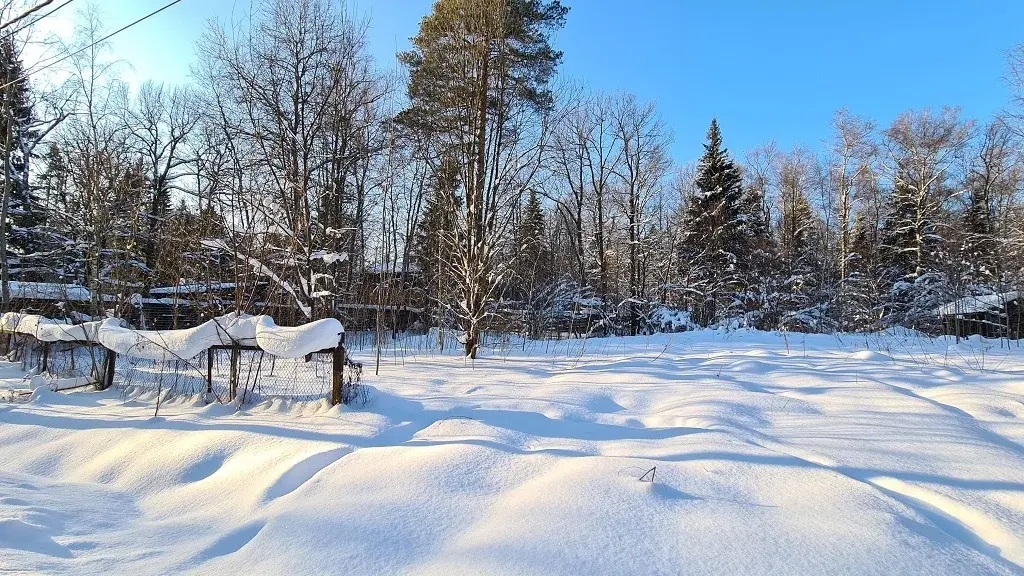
[{"x": 478, "y": 187}]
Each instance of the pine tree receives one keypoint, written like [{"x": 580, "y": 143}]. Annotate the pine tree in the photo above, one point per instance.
[
  {"x": 978, "y": 244},
  {"x": 911, "y": 254},
  {"x": 479, "y": 74},
  {"x": 713, "y": 229},
  {"x": 756, "y": 260},
  {"x": 862, "y": 287}
]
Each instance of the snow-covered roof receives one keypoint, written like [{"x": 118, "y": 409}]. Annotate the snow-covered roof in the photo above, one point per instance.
[
  {"x": 976, "y": 304},
  {"x": 389, "y": 268},
  {"x": 193, "y": 288},
  {"x": 48, "y": 291}
]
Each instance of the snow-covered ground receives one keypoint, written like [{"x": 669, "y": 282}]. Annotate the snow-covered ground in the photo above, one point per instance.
[{"x": 870, "y": 455}]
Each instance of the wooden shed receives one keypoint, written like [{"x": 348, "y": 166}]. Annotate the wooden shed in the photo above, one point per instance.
[{"x": 990, "y": 315}]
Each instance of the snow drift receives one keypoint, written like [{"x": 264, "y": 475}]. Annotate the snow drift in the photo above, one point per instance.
[{"x": 801, "y": 455}]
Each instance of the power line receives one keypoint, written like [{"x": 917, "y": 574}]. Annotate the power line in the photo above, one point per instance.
[
  {"x": 27, "y": 13},
  {"x": 37, "y": 20},
  {"x": 83, "y": 49}
]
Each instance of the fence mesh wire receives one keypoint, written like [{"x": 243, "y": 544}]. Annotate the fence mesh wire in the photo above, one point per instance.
[
  {"x": 74, "y": 360},
  {"x": 257, "y": 376}
]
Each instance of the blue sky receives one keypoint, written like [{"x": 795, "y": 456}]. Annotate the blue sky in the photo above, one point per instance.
[{"x": 767, "y": 69}]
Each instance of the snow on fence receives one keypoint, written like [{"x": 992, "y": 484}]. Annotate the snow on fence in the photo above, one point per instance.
[{"x": 236, "y": 356}]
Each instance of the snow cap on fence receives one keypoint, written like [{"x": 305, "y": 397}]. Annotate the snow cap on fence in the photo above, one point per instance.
[
  {"x": 233, "y": 328},
  {"x": 9, "y": 321},
  {"x": 49, "y": 330},
  {"x": 296, "y": 342}
]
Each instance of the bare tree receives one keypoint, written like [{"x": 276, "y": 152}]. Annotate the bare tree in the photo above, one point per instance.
[
  {"x": 641, "y": 173},
  {"x": 160, "y": 124},
  {"x": 297, "y": 106}
]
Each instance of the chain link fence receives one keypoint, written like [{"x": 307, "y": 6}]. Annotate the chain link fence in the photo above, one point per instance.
[{"x": 228, "y": 373}]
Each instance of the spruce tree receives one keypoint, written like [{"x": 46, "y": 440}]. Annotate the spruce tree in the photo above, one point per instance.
[
  {"x": 978, "y": 241},
  {"x": 713, "y": 226},
  {"x": 24, "y": 211},
  {"x": 534, "y": 256},
  {"x": 756, "y": 260},
  {"x": 911, "y": 252},
  {"x": 533, "y": 270}
]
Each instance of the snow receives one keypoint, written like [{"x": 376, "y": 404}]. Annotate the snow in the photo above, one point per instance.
[
  {"x": 329, "y": 257},
  {"x": 671, "y": 320},
  {"x": 296, "y": 342},
  {"x": 976, "y": 304},
  {"x": 164, "y": 345},
  {"x": 48, "y": 291},
  {"x": 50, "y": 330},
  {"x": 193, "y": 288},
  {"x": 781, "y": 454}
]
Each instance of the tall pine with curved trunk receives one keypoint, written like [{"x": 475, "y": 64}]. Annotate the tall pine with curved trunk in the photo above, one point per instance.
[{"x": 479, "y": 73}]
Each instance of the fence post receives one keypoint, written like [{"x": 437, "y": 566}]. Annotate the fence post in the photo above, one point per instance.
[
  {"x": 44, "y": 363},
  {"x": 209, "y": 370},
  {"x": 109, "y": 363},
  {"x": 233, "y": 377},
  {"x": 337, "y": 374}
]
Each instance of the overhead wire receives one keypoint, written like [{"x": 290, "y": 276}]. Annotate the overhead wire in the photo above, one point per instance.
[
  {"x": 26, "y": 13},
  {"x": 84, "y": 48},
  {"x": 35, "y": 21}
]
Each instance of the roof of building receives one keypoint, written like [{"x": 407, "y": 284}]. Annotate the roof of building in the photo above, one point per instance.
[{"x": 977, "y": 304}]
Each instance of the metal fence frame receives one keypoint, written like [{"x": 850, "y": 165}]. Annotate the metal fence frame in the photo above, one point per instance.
[{"x": 39, "y": 355}]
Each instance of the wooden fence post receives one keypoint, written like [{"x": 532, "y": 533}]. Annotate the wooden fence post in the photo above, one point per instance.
[
  {"x": 44, "y": 363},
  {"x": 109, "y": 363},
  {"x": 337, "y": 374},
  {"x": 233, "y": 377},
  {"x": 209, "y": 370}
]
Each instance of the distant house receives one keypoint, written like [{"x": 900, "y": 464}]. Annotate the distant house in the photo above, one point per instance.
[
  {"x": 183, "y": 305},
  {"x": 48, "y": 298},
  {"x": 991, "y": 315}
]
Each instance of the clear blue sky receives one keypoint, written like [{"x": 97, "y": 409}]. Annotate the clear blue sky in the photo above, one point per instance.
[{"x": 768, "y": 69}]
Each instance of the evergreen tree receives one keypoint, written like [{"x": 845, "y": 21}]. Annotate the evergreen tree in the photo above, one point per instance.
[
  {"x": 713, "y": 226},
  {"x": 24, "y": 211},
  {"x": 435, "y": 236},
  {"x": 534, "y": 256},
  {"x": 756, "y": 259},
  {"x": 978, "y": 244},
  {"x": 910, "y": 257},
  {"x": 533, "y": 271},
  {"x": 800, "y": 261},
  {"x": 479, "y": 80},
  {"x": 862, "y": 287}
]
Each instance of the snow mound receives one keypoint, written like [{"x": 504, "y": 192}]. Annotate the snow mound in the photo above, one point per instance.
[{"x": 870, "y": 356}]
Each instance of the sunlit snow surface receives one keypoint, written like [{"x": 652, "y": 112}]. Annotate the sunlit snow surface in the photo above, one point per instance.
[{"x": 803, "y": 455}]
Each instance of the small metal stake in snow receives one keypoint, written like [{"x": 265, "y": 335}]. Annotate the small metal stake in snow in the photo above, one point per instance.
[{"x": 649, "y": 475}]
